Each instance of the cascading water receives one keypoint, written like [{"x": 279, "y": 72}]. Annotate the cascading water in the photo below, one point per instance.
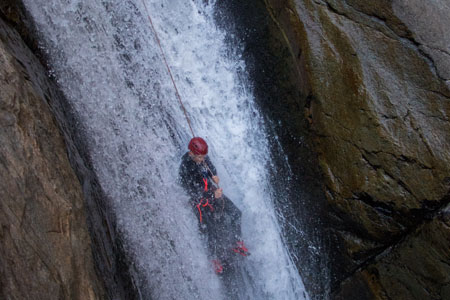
[{"x": 105, "y": 59}]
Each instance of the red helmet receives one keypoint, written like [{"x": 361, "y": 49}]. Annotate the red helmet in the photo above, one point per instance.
[{"x": 198, "y": 146}]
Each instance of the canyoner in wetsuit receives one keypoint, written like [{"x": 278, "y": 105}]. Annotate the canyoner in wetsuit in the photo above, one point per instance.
[{"x": 219, "y": 219}]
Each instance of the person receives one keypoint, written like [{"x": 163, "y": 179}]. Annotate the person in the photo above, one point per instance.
[{"x": 219, "y": 219}]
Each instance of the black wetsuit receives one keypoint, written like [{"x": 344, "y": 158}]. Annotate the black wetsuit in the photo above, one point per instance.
[{"x": 219, "y": 219}]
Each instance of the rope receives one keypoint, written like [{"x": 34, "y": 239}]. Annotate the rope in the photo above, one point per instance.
[
  {"x": 179, "y": 99},
  {"x": 168, "y": 68}
]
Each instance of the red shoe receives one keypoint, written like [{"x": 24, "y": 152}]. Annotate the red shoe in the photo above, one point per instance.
[
  {"x": 241, "y": 249},
  {"x": 218, "y": 268}
]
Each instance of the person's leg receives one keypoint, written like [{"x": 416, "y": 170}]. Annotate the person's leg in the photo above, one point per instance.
[
  {"x": 228, "y": 229},
  {"x": 232, "y": 219},
  {"x": 210, "y": 229}
]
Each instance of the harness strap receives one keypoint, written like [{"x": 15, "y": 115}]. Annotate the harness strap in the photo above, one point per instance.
[
  {"x": 205, "y": 181},
  {"x": 200, "y": 205},
  {"x": 199, "y": 212}
]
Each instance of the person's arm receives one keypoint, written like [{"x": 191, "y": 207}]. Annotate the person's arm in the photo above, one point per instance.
[
  {"x": 212, "y": 170},
  {"x": 188, "y": 180}
]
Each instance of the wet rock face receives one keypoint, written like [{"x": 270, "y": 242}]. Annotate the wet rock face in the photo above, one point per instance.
[
  {"x": 416, "y": 268},
  {"x": 377, "y": 76},
  {"x": 425, "y": 23},
  {"x": 45, "y": 250}
]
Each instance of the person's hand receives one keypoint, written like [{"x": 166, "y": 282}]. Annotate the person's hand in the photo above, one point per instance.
[
  {"x": 218, "y": 193},
  {"x": 216, "y": 179}
]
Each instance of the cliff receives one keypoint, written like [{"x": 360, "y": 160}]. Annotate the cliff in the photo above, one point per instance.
[
  {"x": 45, "y": 247},
  {"x": 374, "y": 85},
  {"x": 357, "y": 94}
]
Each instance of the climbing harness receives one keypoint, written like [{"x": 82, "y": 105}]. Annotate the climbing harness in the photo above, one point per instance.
[
  {"x": 168, "y": 68},
  {"x": 203, "y": 203}
]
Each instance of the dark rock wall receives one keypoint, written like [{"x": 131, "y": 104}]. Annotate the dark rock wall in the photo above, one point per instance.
[
  {"x": 415, "y": 268},
  {"x": 45, "y": 247},
  {"x": 104, "y": 247},
  {"x": 377, "y": 76}
]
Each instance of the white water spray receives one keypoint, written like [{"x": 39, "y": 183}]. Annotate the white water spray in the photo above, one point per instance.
[{"x": 107, "y": 63}]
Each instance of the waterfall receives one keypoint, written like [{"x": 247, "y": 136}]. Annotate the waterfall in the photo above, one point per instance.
[{"x": 104, "y": 57}]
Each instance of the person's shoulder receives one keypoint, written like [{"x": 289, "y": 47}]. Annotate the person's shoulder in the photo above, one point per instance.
[{"x": 185, "y": 159}]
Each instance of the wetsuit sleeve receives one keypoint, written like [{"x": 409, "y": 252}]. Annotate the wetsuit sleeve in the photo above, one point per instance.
[{"x": 211, "y": 166}]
